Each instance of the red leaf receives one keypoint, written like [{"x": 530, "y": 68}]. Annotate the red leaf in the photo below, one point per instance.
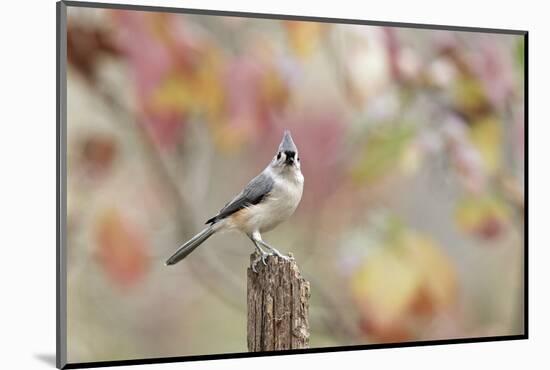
[
  {"x": 97, "y": 154},
  {"x": 121, "y": 249}
]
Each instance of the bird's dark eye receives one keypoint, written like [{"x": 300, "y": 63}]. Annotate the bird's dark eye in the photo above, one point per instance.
[
  {"x": 278, "y": 156},
  {"x": 298, "y": 159}
]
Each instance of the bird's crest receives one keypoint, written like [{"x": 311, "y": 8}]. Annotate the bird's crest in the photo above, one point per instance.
[{"x": 287, "y": 144}]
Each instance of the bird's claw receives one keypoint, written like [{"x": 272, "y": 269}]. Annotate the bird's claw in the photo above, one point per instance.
[
  {"x": 262, "y": 257},
  {"x": 280, "y": 255}
]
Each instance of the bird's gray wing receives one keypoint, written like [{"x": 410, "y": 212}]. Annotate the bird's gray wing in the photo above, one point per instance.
[{"x": 253, "y": 193}]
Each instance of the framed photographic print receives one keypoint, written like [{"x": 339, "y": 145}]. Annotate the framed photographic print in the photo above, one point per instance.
[{"x": 239, "y": 184}]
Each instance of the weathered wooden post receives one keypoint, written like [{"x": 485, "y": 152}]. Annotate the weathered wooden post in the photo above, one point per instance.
[{"x": 278, "y": 306}]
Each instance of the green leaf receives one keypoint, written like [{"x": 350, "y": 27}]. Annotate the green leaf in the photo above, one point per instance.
[
  {"x": 520, "y": 52},
  {"x": 382, "y": 152}
]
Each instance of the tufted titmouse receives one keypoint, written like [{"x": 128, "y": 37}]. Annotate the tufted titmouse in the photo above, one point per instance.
[{"x": 266, "y": 201}]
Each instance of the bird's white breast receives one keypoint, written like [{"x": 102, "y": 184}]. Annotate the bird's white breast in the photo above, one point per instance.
[{"x": 277, "y": 207}]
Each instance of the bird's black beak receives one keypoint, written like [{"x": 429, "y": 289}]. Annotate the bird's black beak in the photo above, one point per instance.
[{"x": 290, "y": 158}]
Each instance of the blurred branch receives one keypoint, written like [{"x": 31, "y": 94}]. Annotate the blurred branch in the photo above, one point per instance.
[
  {"x": 208, "y": 272},
  {"x": 339, "y": 69},
  {"x": 181, "y": 204}
]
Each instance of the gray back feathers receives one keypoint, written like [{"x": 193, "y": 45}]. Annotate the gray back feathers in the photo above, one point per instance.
[
  {"x": 257, "y": 189},
  {"x": 253, "y": 193}
]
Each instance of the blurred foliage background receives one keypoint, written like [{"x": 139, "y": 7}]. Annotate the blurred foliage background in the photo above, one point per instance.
[{"x": 412, "y": 146}]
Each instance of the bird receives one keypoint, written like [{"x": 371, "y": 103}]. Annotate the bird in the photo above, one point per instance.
[{"x": 266, "y": 201}]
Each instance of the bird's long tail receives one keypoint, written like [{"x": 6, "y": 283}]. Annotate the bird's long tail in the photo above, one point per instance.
[{"x": 190, "y": 246}]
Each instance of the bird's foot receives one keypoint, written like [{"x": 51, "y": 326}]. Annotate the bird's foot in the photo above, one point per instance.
[
  {"x": 261, "y": 257},
  {"x": 280, "y": 255}
]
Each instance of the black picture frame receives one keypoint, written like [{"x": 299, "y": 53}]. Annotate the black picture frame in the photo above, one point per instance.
[{"x": 61, "y": 184}]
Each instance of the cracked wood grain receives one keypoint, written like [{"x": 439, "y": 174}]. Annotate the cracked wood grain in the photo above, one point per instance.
[{"x": 277, "y": 306}]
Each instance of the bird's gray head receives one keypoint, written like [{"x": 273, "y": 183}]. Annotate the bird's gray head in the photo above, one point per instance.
[{"x": 287, "y": 154}]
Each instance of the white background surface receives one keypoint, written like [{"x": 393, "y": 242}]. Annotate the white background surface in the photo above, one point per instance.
[{"x": 27, "y": 192}]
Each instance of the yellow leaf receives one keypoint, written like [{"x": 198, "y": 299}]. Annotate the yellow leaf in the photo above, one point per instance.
[
  {"x": 437, "y": 272},
  {"x": 229, "y": 137},
  {"x": 207, "y": 84},
  {"x": 199, "y": 91},
  {"x": 406, "y": 277},
  {"x": 469, "y": 97},
  {"x": 486, "y": 135},
  {"x": 483, "y": 216},
  {"x": 173, "y": 94},
  {"x": 385, "y": 286},
  {"x": 410, "y": 160},
  {"x": 304, "y": 36},
  {"x": 273, "y": 89}
]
